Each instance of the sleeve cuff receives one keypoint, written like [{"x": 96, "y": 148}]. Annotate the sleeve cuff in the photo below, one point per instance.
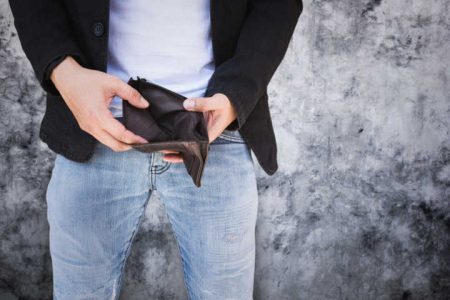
[{"x": 47, "y": 83}]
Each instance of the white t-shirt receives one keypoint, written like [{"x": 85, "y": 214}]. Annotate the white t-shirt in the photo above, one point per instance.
[{"x": 167, "y": 42}]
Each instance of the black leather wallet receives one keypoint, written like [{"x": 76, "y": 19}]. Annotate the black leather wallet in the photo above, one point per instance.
[{"x": 167, "y": 125}]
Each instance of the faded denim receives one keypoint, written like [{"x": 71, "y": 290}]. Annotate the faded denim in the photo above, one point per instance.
[{"x": 96, "y": 207}]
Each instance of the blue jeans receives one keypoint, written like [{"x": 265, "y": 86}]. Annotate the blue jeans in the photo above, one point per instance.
[{"x": 95, "y": 209}]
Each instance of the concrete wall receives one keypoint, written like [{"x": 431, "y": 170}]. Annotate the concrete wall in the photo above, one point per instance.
[{"x": 359, "y": 208}]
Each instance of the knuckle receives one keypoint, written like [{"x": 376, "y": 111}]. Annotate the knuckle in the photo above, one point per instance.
[
  {"x": 223, "y": 101},
  {"x": 132, "y": 93},
  {"x": 86, "y": 126},
  {"x": 116, "y": 84},
  {"x": 198, "y": 103},
  {"x": 123, "y": 136},
  {"x": 82, "y": 126},
  {"x": 90, "y": 116},
  {"x": 115, "y": 81}
]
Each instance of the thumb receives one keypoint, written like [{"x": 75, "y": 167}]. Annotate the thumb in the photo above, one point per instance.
[
  {"x": 203, "y": 104},
  {"x": 128, "y": 93}
]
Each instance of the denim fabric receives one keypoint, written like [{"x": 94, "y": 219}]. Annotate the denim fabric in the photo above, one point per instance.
[{"x": 96, "y": 207}]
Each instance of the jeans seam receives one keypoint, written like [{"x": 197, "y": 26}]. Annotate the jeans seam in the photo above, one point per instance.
[
  {"x": 153, "y": 172},
  {"x": 183, "y": 262},
  {"x": 149, "y": 175},
  {"x": 128, "y": 248}
]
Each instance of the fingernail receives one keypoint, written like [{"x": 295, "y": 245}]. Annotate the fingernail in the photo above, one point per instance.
[
  {"x": 145, "y": 102},
  {"x": 188, "y": 103}
]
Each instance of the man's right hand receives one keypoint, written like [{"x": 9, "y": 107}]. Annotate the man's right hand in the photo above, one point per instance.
[{"x": 88, "y": 93}]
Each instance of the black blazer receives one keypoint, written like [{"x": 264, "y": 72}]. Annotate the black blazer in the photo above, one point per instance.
[{"x": 250, "y": 38}]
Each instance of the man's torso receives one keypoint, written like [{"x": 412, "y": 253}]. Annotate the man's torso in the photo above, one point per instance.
[{"x": 165, "y": 42}]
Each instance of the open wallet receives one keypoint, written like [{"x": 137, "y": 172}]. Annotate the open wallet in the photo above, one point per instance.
[{"x": 167, "y": 125}]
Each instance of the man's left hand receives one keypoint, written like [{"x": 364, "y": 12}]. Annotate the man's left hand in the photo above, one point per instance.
[{"x": 218, "y": 112}]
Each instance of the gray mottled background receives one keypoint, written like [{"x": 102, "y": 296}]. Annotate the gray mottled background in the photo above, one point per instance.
[{"x": 359, "y": 208}]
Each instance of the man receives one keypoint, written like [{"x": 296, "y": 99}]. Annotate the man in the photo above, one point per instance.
[{"x": 221, "y": 54}]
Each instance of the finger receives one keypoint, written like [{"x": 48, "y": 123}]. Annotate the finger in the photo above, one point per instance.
[
  {"x": 118, "y": 130},
  {"x": 207, "y": 116},
  {"x": 128, "y": 93},
  {"x": 169, "y": 151},
  {"x": 215, "y": 128},
  {"x": 173, "y": 158},
  {"x": 204, "y": 104},
  {"x": 108, "y": 140}
]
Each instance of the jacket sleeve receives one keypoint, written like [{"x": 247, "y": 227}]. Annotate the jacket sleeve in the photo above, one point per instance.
[
  {"x": 45, "y": 35},
  {"x": 262, "y": 44}
]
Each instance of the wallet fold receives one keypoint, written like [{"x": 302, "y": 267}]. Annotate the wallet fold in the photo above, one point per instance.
[{"x": 167, "y": 125}]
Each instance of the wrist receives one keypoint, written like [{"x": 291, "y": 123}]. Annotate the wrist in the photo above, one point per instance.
[
  {"x": 233, "y": 108},
  {"x": 63, "y": 70}
]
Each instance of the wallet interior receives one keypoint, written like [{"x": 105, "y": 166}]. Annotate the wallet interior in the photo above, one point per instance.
[{"x": 167, "y": 125}]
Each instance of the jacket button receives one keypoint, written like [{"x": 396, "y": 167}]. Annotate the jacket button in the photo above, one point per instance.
[{"x": 99, "y": 29}]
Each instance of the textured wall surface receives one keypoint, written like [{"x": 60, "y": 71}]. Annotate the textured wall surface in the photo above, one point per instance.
[{"x": 359, "y": 208}]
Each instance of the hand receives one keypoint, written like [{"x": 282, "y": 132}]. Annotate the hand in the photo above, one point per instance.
[
  {"x": 88, "y": 93},
  {"x": 218, "y": 112}
]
